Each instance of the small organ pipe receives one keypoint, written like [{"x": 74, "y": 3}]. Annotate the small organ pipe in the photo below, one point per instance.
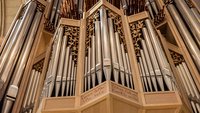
[
  {"x": 29, "y": 88},
  {"x": 57, "y": 12},
  {"x": 88, "y": 71},
  {"x": 55, "y": 2},
  {"x": 153, "y": 4},
  {"x": 68, "y": 75},
  {"x": 113, "y": 51},
  {"x": 36, "y": 87},
  {"x": 119, "y": 54},
  {"x": 129, "y": 71},
  {"x": 74, "y": 81},
  {"x": 71, "y": 79},
  {"x": 85, "y": 76},
  {"x": 66, "y": 64},
  {"x": 98, "y": 52},
  {"x": 125, "y": 65},
  {"x": 149, "y": 8},
  {"x": 93, "y": 63},
  {"x": 141, "y": 76}
]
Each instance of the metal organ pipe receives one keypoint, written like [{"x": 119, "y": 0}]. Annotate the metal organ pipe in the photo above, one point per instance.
[
  {"x": 93, "y": 62},
  {"x": 64, "y": 78},
  {"x": 98, "y": 52},
  {"x": 153, "y": 4},
  {"x": 115, "y": 63},
  {"x": 105, "y": 43},
  {"x": 193, "y": 48}
]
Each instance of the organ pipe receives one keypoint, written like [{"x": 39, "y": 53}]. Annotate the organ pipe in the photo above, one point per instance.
[
  {"x": 105, "y": 43},
  {"x": 98, "y": 52}
]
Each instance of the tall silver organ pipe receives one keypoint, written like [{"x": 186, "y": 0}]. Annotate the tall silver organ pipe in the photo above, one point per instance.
[
  {"x": 61, "y": 73},
  {"x": 15, "y": 54},
  {"x": 105, "y": 43},
  {"x": 109, "y": 60},
  {"x": 187, "y": 80},
  {"x": 155, "y": 71},
  {"x": 186, "y": 35}
]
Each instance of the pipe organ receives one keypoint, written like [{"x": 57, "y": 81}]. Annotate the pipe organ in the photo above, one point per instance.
[{"x": 102, "y": 56}]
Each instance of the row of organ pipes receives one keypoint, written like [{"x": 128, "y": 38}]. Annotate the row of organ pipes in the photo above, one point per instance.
[
  {"x": 191, "y": 20},
  {"x": 106, "y": 55},
  {"x": 187, "y": 80},
  {"x": 155, "y": 71},
  {"x": 15, "y": 53},
  {"x": 63, "y": 9},
  {"x": 33, "y": 85},
  {"x": 62, "y": 68},
  {"x": 74, "y": 9}
]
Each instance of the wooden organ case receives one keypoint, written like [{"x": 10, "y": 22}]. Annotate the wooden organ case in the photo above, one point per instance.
[{"x": 102, "y": 56}]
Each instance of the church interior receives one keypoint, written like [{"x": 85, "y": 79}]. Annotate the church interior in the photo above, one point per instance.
[{"x": 100, "y": 56}]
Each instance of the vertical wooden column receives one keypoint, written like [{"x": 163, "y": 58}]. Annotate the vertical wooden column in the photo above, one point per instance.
[{"x": 81, "y": 59}]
